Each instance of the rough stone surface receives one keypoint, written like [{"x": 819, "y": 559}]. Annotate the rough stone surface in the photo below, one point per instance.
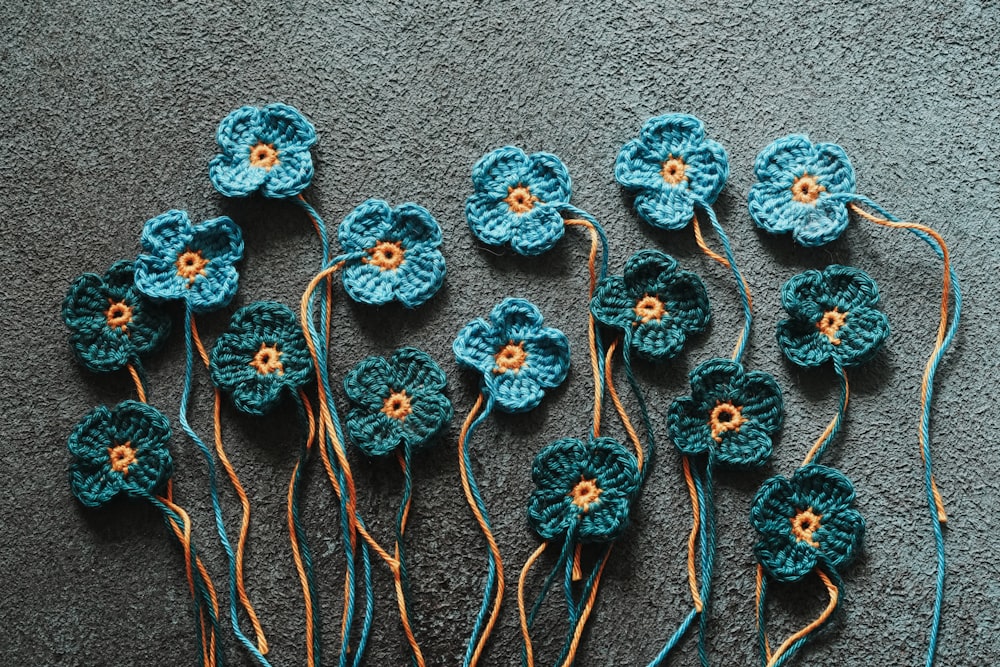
[{"x": 109, "y": 117}]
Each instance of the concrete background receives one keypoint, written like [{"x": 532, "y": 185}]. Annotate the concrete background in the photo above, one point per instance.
[{"x": 108, "y": 119}]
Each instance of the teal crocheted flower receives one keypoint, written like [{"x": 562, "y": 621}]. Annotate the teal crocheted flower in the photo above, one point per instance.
[
  {"x": 261, "y": 356},
  {"x": 832, "y": 316},
  {"x": 111, "y": 323},
  {"x": 672, "y": 167},
  {"x": 399, "y": 402},
  {"x": 119, "y": 450},
  {"x": 583, "y": 490},
  {"x": 400, "y": 257},
  {"x": 656, "y": 305},
  {"x": 192, "y": 263},
  {"x": 806, "y": 521},
  {"x": 802, "y": 188},
  {"x": 263, "y": 150},
  {"x": 730, "y": 414},
  {"x": 517, "y": 357},
  {"x": 516, "y": 200}
]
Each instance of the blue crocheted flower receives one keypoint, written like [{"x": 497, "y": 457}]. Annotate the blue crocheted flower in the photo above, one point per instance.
[
  {"x": 402, "y": 261},
  {"x": 111, "y": 323},
  {"x": 399, "y": 401},
  {"x": 806, "y": 521},
  {"x": 193, "y": 263},
  {"x": 261, "y": 356},
  {"x": 730, "y": 413},
  {"x": 518, "y": 358},
  {"x": 119, "y": 450},
  {"x": 672, "y": 167},
  {"x": 833, "y": 316},
  {"x": 583, "y": 490},
  {"x": 803, "y": 188},
  {"x": 263, "y": 150},
  {"x": 516, "y": 200},
  {"x": 654, "y": 303}
]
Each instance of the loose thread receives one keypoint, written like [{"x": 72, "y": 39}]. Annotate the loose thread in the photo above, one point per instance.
[
  {"x": 633, "y": 436},
  {"x": 140, "y": 390},
  {"x": 791, "y": 645},
  {"x": 707, "y": 501},
  {"x": 833, "y": 428},
  {"x": 529, "y": 656},
  {"x": 590, "y": 593},
  {"x": 296, "y": 533},
  {"x": 399, "y": 571}
]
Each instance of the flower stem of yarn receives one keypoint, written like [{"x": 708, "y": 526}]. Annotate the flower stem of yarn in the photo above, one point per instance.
[
  {"x": 297, "y": 537},
  {"x": 402, "y": 579},
  {"x": 833, "y": 428},
  {"x": 790, "y": 646}
]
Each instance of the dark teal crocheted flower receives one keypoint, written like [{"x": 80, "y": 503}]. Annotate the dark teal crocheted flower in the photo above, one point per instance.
[
  {"x": 672, "y": 166},
  {"x": 398, "y": 401},
  {"x": 517, "y": 357},
  {"x": 516, "y": 200},
  {"x": 401, "y": 259},
  {"x": 833, "y": 316},
  {"x": 806, "y": 521},
  {"x": 111, "y": 323},
  {"x": 802, "y": 188},
  {"x": 654, "y": 303},
  {"x": 261, "y": 356},
  {"x": 730, "y": 413},
  {"x": 263, "y": 150},
  {"x": 192, "y": 263},
  {"x": 119, "y": 450},
  {"x": 583, "y": 490}
]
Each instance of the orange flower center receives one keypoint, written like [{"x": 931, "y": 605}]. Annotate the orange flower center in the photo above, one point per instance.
[
  {"x": 673, "y": 170},
  {"x": 268, "y": 360},
  {"x": 830, "y": 324},
  {"x": 190, "y": 265},
  {"x": 725, "y": 417},
  {"x": 806, "y": 189},
  {"x": 520, "y": 200},
  {"x": 649, "y": 308},
  {"x": 118, "y": 314},
  {"x": 122, "y": 456},
  {"x": 386, "y": 255},
  {"x": 585, "y": 493},
  {"x": 804, "y": 524},
  {"x": 264, "y": 156},
  {"x": 510, "y": 358},
  {"x": 397, "y": 405}
]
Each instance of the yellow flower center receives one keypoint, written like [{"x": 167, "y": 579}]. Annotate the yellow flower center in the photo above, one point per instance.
[
  {"x": 397, "y": 405},
  {"x": 649, "y": 308},
  {"x": 806, "y": 189},
  {"x": 268, "y": 360},
  {"x": 118, "y": 314},
  {"x": 673, "y": 170},
  {"x": 510, "y": 358},
  {"x": 122, "y": 456},
  {"x": 585, "y": 493},
  {"x": 520, "y": 200},
  {"x": 804, "y": 524},
  {"x": 190, "y": 265},
  {"x": 830, "y": 324},
  {"x": 386, "y": 255},
  {"x": 725, "y": 417},
  {"x": 264, "y": 156}
]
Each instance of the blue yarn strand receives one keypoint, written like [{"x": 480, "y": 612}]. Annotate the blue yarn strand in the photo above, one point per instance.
[
  {"x": 400, "y": 548},
  {"x": 577, "y": 607},
  {"x": 708, "y": 545},
  {"x": 744, "y": 299},
  {"x": 838, "y": 421},
  {"x": 643, "y": 409},
  {"x": 300, "y": 536}
]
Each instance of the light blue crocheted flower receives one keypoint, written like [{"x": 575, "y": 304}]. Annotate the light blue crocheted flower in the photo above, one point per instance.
[
  {"x": 401, "y": 259},
  {"x": 263, "y": 150},
  {"x": 803, "y": 188},
  {"x": 518, "y": 357},
  {"x": 672, "y": 167},
  {"x": 193, "y": 263},
  {"x": 516, "y": 200}
]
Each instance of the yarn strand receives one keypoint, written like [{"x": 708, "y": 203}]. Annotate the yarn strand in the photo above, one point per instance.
[
  {"x": 297, "y": 538},
  {"x": 833, "y": 428}
]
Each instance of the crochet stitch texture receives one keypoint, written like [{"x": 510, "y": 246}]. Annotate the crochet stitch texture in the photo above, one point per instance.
[{"x": 263, "y": 150}]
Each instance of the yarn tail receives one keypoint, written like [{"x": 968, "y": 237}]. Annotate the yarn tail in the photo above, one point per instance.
[
  {"x": 833, "y": 428},
  {"x": 401, "y": 577},
  {"x": 791, "y": 646},
  {"x": 297, "y": 537}
]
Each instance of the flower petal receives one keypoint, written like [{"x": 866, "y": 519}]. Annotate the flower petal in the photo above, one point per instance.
[
  {"x": 707, "y": 170},
  {"x": 513, "y": 392},
  {"x": 774, "y": 210},
  {"x": 420, "y": 276},
  {"x": 687, "y": 424},
  {"x": 167, "y": 234},
  {"x": 832, "y": 168},
  {"x": 558, "y": 465},
  {"x": 475, "y": 346},
  {"x": 367, "y": 283},
  {"x": 551, "y": 513},
  {"x": 785, "y": 558},
  {"x": 673, "y": 133},
  {"x": 658, "y": 340},
  {"x": 537, "y": 231},
  {"x": 649, "y": 272},
  {"x": 498, "y": 170},
  {"x": 840, "y": 536},
  {"x": 824, "y": 489},
  {"x": 431, "y": 411},
  {"x": 762, "y": 401},
  {"x": 822, "y": 223},
  {"x": 286, "y": 127},
  {"x": 515, "y": 318},
  {"x": 365, "y": 226},
  {"x": 803, "y": 343},
  {"x": 374, "y": 433},
  {"x": 547, "y": 357},
  {"x": 238, "y": 130},
  {"x": 848, "y": 287},
  {"x": 547, "y": 178},
  {"x": 415, "y": 224},
  {"x": 717, "y": 379},
  {"x": 220, "y": 240},
  {"x": 861, "y": 336},
  {"x": 371, "y": 381},
  {"x": 292, "y": 174},
  {"x": 791, "y": 155},
  {"x": 490, "y": 219},
  {"x": 773, "y": 504},
  {"x": 233, "y": 176},
  {"x": 606, "y": 521},
  {"x": 415, "y": 369},
  {"x": 639, "y": 168},
  {"x": 93, "y": 485},
  {"x": 92, "y": 436},
  {"x": 612, "y": 305},
  {"x": 686, "y": 300},
  {"x": 157, "y": 278},
  {"x": 213, "y": 290},
  {"x": 614, "y": 467},
  {"x": 748, "y": 447},
  {"x": 669, "y": 207}
]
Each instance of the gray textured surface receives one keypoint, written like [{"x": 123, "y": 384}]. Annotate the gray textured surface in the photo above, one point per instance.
[{"x": 108, "y": 120}]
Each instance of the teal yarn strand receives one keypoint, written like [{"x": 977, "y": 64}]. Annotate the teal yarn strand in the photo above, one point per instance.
[
  {"x": 744, "y": 298},
  {"x": 838, "y": 420},
  {"x": 549, "y": 580},
  {"x": 300, "y": 536},
  {"x": 647, "y": 423},
  {"x": 794, "y": 648},
  {"x": 400, "y": 547},
  {"x": 708, "y": 545}
]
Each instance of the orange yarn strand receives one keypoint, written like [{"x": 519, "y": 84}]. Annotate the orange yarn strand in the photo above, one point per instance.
[
  {"x": 700, "y": 240},
  {"x": 525, "y": 631},
  {"x": 693, "y": 536},
  {"x": 595, "y": 241},
  {"x": 820, "y": 620},
  {"x": 829, "y": 427},
  {"x": 759, "y": 590},
  {"x": 138, "y": 383},
  {"x": 296, "y": 552},
  {"x": 587, "y": 609},
  {"x": 619, "y": 408}
]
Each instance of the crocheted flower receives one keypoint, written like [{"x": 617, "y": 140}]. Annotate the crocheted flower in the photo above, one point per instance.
[
  {"x": 193, "y": 263},
  {"x": 263, "y": 150},
  {"x": 518, "y": 358},
  {"x": 806, "y": 521},
  {"x": 515, "y": 200},
  {"x": 654, "y": 303},
  {"x": 119, "y": 450},
  {"x": 399, "y": 401},
  {"x": 672, "y": 166},
  {"x": 111, "y": 323},
  {"x": 801, "y": 190},
  {"x": 584, "y": 490},
  {"x": 730, "y": 413},
  {"x": 262, "y": 355},
  {"x": 833, "y": 316},
  {"x": 402, "y": 259}
]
